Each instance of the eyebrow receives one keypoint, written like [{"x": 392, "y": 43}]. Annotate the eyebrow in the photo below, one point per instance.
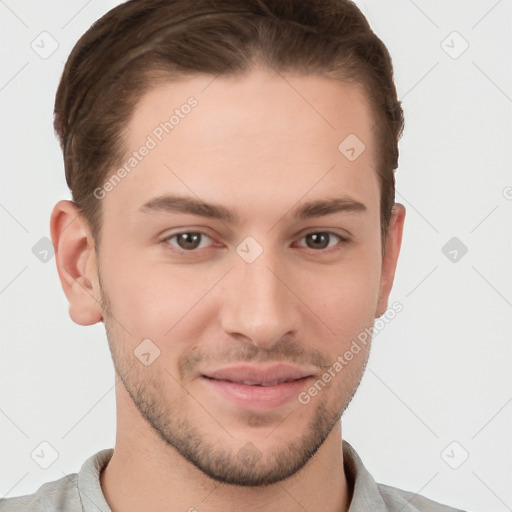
[{"x": 310, "y": 209}]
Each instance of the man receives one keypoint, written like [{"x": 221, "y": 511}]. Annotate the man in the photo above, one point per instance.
[{"x": 233, "y": 225}]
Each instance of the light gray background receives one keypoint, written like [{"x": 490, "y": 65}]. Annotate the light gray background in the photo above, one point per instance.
[{"x": 439, "y": 372}]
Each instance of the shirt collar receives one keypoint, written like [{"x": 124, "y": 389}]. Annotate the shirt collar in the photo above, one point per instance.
[
  {"x": 365, "y": 490},
  {"x": 89, "y": 485}
]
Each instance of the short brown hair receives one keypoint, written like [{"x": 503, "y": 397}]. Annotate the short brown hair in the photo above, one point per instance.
[{"x": 141, "y": 42}]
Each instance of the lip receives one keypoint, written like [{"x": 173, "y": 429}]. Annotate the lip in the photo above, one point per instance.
[
  {"x": 259, "y": 374},
  {"x": 228, "y": 383}
]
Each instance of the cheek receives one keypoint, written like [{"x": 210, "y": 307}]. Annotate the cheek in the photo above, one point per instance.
[
  {"x": 344, "y": 296},
  {"x": 137, "y": 293},
  {"x": 155, "y": 300}
]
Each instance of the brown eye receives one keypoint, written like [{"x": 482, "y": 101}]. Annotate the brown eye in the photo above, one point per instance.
[
  {"x": 187, "y": 241},
  {"x": 322, "y": 239}
]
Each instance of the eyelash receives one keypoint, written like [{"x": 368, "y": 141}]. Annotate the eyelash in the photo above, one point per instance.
[{"x": 342, "y": 241}]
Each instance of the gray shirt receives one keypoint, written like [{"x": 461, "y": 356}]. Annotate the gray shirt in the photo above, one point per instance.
[{"x": 81, "y": 492}]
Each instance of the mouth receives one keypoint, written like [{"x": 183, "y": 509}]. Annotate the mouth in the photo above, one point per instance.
[
  {"x": 257, "y": 389},
  {"x": 253, "y": 375},
  {"x": 257, "y": 383}
]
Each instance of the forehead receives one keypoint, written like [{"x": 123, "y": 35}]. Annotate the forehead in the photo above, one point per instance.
[{"x": 258, "y": 136}]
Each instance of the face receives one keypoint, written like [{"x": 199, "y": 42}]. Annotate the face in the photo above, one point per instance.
[{"x": 276, "y": 270}]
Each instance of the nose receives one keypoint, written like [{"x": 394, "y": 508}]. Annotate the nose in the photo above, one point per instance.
[{"x": 258, "y": 302}]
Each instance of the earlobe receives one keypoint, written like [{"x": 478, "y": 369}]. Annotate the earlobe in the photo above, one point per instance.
[
  {"x": 75, "y": 257},
  {"x": 390, "y": 259}
]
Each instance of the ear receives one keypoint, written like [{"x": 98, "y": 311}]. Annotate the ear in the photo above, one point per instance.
[
  {"x": 75, "y": 256},
  {"x": 390, "y": 259}
]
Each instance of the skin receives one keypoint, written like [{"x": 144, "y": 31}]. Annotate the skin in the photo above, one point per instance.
[{"x": 254, "y": 146}]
